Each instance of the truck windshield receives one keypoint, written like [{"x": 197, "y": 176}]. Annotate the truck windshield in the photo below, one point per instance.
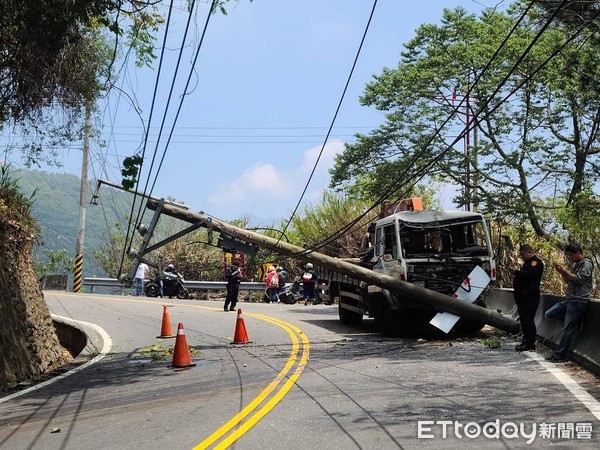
[{"x": 458, "y": 239}]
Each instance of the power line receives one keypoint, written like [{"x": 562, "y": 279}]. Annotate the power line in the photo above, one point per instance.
[
  {"x": 129, "y": 228},
  {"x": 256, "y": 128},
  {"x": 394, "y": 187},
  {"x": 332, "y": 120},
  {"x": 139, "y": 214},
  {"x": 223, "y": 136},
  {"x": 168, "y": 102},
  {"x": 309, "y": 142},
  {"x": 185, "y": 92}
]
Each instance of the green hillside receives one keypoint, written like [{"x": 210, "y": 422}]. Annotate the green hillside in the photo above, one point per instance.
[{"x": 56, "y": 207}]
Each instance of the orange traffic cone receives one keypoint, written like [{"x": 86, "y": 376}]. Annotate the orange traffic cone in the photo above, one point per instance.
[
  {"x": 165, "y": 329},
  {"x": 240, "y": 336},
  {"x": 181, "y": 353}
]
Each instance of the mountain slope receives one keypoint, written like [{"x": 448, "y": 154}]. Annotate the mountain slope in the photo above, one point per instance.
[{"x": 56, "y": 208}]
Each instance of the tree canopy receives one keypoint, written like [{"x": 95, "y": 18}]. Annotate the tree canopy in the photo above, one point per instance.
[
  {"x": 56, "y": 58},
  {"x": 528, "y": 87}
]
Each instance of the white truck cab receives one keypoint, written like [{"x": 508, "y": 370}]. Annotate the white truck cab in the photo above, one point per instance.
[{"x": 434, "y": 249}]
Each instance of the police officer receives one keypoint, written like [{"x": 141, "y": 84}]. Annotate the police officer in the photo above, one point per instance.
[
  {"x": 527, "y": 294},
  {"x": 233, "y": 276}
]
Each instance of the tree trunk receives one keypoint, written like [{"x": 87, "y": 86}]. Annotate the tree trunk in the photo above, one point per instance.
[{"x": 28, "y": 343}]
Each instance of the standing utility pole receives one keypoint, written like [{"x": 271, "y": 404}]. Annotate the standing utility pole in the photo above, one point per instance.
[
  {"x": 78, "y": 269},
  {"x": 467, "y": 154}
]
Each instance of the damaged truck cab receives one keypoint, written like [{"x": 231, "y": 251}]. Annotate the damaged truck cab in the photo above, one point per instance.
[
  {"x": 436, "y": 250},
  {"x": 433, "y": 249}
]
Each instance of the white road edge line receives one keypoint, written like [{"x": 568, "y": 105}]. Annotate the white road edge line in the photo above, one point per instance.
[
  {"x": 107, "y": 345},
  {"x": 580, "y": 394}
]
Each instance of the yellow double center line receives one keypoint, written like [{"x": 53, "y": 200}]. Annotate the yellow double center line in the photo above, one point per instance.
[
  {"x": 268, "y": 398},
  {"x": 273, "y": 392}
]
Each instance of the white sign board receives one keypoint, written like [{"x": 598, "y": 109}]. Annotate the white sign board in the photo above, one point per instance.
[{"x": 468, "y": 291}]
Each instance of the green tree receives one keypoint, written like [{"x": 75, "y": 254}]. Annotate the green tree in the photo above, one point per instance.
[
  {"x": 56, "y": 57},
  {"x": 575, "y": 13},
  {"x": 59, "y": 262},
  {"x": 318, "y": 222},
  {"x": 581, "y": 222},
  {"x": 540, "y": 142},
  {"x": 54, "y": 60},
  {"x": 109, "y": 253}
]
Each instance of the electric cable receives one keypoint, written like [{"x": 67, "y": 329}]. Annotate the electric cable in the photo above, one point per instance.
[
  {"x": 129, "y": 227},
  {"x": 168, "y": 102},
  {"x": 418, "y": 155},
  {"x": 394, "y": 187},
  {"x": 529, "y": 77},
  {"x": 129, "y": 240},
  {"x": 339, "y": 106},
  {"x": 185, "y": 93}
]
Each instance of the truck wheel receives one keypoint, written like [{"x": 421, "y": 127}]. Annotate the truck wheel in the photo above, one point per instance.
[
  {"x": 377, "y": 307},
  {"x": 334, "y": 292},
  {"x": 466, "y": 327},
  {"x": 393, "y": 323},
  {"x": 348, "y": 317},
  {"x": 378, "y": 318}
]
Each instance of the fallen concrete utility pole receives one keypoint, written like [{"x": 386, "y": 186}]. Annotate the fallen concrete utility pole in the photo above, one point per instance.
[{"x": 407, "y": 290}]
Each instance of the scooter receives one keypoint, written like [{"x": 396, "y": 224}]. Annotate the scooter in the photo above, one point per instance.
[
  {"x": 292, "y": 293},
  {"x": 172, "y": 287},
  {"x": 289, "y": 294}
]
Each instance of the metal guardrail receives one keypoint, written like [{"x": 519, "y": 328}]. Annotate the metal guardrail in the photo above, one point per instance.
[
  {"x": 193, "y": 285},
  {"x": 108, "y": 282}
]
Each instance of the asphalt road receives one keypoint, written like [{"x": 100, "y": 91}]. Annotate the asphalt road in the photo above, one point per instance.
[{"x": 305, "y": 381}]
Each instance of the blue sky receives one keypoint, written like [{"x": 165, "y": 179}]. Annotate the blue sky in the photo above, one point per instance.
[{"x": 268, "y": 79}]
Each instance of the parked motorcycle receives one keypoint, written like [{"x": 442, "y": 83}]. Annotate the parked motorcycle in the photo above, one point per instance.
[
  {"x": 290, "y": 294},
  {"x": 172, "y": 286}
]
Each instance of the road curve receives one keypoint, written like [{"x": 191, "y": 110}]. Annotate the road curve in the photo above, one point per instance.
[{"x": 346, "y": 387}]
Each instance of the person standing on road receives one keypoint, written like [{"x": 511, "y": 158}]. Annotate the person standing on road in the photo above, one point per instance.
[
  {"x": 309, "y": 279},
  {"x": 282, "y": 277},
  {"x": 272, "y": 285},
  {"x": 140, "y": 275},
  {"x": 526, "y": 291},
  {"x": 168, "y": 274},
  {"x": 579, "y": 289},
  {"x": 234, "y": 276}
]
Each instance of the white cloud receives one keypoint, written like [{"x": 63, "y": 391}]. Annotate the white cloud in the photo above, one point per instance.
[
  {"x": 321, "y": 177},
  {"x": 331, "y": 149},
  {"x": 259, "y": 187},
  {"x": 257, "y": 181}
]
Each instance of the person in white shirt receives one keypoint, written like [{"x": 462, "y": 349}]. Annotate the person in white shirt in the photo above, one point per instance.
[{"x": 140, "y": 274}]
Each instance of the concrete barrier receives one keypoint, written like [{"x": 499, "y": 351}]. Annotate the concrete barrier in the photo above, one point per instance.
[{"x": 586, "y": 346}]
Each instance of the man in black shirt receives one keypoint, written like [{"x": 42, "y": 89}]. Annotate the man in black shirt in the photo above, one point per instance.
[
  {"x": 234, "y": 276},
  {"x": 527, "y": 294}
]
